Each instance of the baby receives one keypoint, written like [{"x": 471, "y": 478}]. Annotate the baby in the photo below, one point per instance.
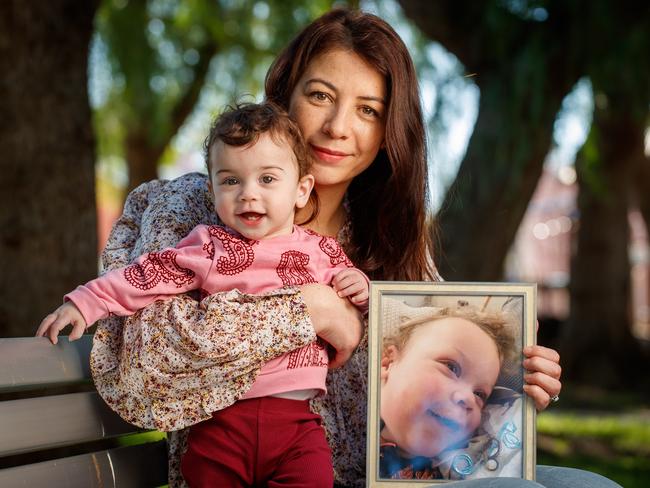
[
  {"x": 437, "y": 373},
  {"x": 258, "y": 165}
]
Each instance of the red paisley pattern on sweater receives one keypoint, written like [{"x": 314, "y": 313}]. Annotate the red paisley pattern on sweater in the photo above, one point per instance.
[
  {"x": 157, "y": 267},
  {"x": 240, "y": 252},
  {"x": 209, "y": 249},
  {"x": 308, "y": 356},
  {"x": 292, "y": 269},
  {"x": 335, "y": 252}
]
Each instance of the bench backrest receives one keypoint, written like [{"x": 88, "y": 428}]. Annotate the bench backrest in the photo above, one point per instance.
[{"x": 55, "y": 430}]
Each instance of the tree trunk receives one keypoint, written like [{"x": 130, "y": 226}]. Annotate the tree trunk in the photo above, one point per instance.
[
  {"x": 47, "y": 199},
  {"x": 488, "y": 199},
  {"x": 142, "y": 153},
  {"x": 597, "y": 345},
  {"x": 523, "y": 73},
  {"x": 642, "y": 182},
  {"x": 142, "y": 157}
]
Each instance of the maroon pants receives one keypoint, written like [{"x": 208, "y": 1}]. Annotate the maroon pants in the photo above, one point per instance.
[{"x": 265, "y": 441}]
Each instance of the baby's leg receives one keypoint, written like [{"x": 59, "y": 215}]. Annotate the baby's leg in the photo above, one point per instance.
[
  {"x": 296, "y": 453},
  {"x": 221, "y": 450},
  {"x": 264, "y": 441}
]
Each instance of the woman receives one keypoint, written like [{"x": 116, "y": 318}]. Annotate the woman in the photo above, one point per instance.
[{"x": 349, "y": 82}]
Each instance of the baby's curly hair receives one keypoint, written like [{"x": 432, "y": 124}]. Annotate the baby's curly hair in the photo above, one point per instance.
[
  {"x": 242, "y": 125},
  {"x": 494, "y": 324}
]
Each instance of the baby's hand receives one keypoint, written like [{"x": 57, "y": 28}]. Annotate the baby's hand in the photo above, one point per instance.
[
  {"x": 55, "y": 322},
  {"x": 352, "y": 284}
]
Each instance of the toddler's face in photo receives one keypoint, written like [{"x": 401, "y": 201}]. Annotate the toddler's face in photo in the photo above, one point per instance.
[{"x": 433, "y": 390}]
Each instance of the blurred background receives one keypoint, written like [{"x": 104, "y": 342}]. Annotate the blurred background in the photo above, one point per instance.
[{"x": 539, "y": 148}]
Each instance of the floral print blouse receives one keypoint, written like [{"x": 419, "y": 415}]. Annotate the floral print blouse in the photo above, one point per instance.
[{"x": 145, "y": 366}]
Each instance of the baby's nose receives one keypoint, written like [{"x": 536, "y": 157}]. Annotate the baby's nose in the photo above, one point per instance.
[
  {"x": 463, "y": 397},
  {"x": 248, "y": 192}
]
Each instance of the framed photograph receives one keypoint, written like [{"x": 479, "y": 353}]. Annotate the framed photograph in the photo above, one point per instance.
[{"x": 446, "y": 399}]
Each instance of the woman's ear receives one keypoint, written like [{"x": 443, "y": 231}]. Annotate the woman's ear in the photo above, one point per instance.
[
  {"x": 389, "y": 356},
  {"x": 305, "y": 186}
]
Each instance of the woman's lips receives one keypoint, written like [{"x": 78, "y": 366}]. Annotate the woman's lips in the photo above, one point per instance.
[{"x": 328, "y": 155}]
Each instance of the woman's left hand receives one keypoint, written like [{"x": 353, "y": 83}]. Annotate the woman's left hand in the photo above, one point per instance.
[{"x": 542, "y": 377}]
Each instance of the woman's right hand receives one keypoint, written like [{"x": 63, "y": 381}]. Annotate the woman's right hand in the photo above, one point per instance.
[{"x": 335, "y": 320}]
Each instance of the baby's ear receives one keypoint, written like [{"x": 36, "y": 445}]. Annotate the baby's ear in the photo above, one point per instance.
[
  {"x": 389, "y": 356},
  {"x": 305, "y": 186}
]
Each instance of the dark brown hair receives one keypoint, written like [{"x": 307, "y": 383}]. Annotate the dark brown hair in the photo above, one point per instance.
[
  {"x": 392, "y": 238},
  {"x": 243, "y": 124}
]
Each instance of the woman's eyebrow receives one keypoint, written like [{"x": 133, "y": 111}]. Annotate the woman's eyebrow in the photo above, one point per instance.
[
  {"x": 324, "y": 82},
  {"x": 333, "y": 88}
]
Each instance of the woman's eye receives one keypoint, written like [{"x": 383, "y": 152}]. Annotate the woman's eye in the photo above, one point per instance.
[
  {"x": 229, "y": 181},
  {"x": 267, "y": 179},
  {"x": 481, "y": 395},
  {"x": 319, "y": 96},
  {"x": 369, "y": 111}
]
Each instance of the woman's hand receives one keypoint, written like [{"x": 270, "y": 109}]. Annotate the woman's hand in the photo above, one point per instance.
[
  {"x": 335, "y": 320},
  {"x": 542, "y": 375}
]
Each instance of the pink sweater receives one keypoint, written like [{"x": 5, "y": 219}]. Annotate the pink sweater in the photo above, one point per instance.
[{"x": 212, "y": 259}]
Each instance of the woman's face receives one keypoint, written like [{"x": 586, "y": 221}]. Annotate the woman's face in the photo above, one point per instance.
[
  {"x": 340, "y": 104},
  {"x": 433, "y": 391}
]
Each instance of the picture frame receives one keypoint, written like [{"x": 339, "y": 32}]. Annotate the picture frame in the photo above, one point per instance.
[{"x": 430, "y": 381}]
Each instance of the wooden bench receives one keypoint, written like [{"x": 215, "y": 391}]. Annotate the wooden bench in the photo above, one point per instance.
[{"x": 56, "y": 431}]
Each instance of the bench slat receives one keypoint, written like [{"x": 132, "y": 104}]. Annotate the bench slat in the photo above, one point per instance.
[
  {"x": 29, "y": 362},
  {"x": 38, "y": 423},
  {"x": 125, "y": 467}
]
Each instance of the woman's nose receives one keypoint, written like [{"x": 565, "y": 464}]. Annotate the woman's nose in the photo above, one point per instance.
[{"x": 337, "y": 123}]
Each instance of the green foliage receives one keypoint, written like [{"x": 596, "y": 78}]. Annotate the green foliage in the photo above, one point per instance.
[{"x": 154, "y": 61}]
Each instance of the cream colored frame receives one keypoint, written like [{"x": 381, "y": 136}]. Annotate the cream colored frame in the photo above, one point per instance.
[{"x": 379, "y": 289}]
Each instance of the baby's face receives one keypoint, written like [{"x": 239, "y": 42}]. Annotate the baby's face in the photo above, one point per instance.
[
  {"x": 256, "y": 188},
  {"x": 433, "y": 391}
]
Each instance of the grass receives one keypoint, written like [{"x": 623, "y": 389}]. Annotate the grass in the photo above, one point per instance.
[
  {"x": 603, "y": 432},
  {"x": 141, "y": 438},
  {"x": 607, "y": 433}
]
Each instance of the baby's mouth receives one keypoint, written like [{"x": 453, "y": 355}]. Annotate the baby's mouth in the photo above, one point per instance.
[
  {"x": 251, "y": 216},
  {"x": 444, "y": 421}
]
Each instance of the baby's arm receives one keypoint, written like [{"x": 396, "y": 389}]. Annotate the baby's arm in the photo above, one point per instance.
[
  {"x": 55, "y": 322},
  {"x": 353, "y": 284},
  {"x": 123, "y": 291}
]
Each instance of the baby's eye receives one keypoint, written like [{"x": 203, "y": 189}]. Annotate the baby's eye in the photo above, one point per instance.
[
  {"x": 230, "y": 180},
  {"x": 454, "y": 367},
  {"x": 267, "y": 179},
  {"x": 481, "y": 395}
]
